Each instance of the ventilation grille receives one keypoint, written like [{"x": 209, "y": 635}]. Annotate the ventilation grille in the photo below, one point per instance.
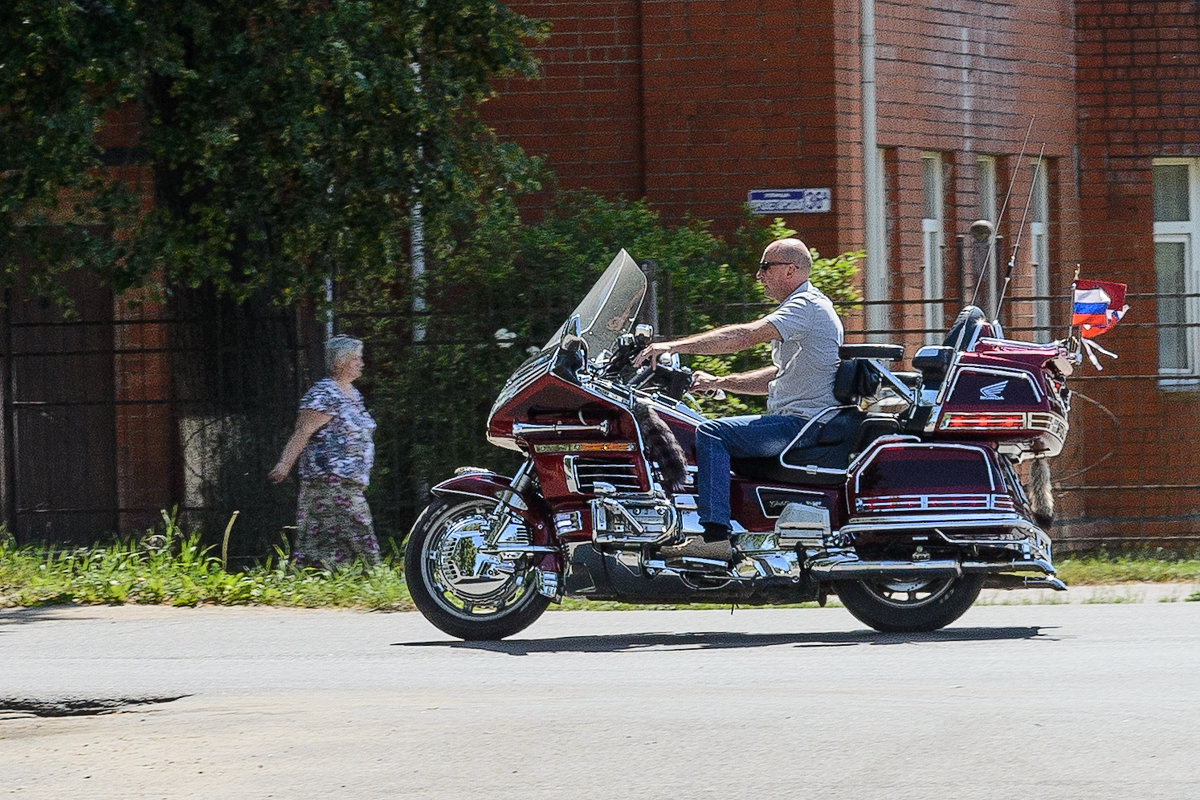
[{"x": 622, "y": 474}]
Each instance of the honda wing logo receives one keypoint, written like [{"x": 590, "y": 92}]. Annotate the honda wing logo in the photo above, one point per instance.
[{"x": 993, "y": 391}]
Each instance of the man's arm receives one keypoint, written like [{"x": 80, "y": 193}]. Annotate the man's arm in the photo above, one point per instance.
[
  {"x": 753, "y": 382},
  {"x": 718, "y": 341}
]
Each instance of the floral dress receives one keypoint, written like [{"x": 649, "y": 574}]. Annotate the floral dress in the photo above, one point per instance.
[{"x": 333, "y": 521}]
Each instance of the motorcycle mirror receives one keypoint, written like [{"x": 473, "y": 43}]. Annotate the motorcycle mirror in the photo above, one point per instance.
[
  {"x": 572, "y": 338},
  {"x": 643, "y": 332}
]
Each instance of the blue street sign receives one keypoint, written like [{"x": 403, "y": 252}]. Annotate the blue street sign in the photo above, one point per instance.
[{"x": 789, "y": 201}]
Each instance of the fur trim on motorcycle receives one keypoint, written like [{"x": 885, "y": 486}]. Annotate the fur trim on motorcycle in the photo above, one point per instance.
[
  {"x": 661, "y": 445},
  {"x": 1041, "y": 498}
]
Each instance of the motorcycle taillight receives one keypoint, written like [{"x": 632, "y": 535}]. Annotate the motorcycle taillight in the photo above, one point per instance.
[{"x": 983, "y": 422}]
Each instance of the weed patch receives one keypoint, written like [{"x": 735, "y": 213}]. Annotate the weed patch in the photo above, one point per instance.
[{"x": 172, "y": 568}]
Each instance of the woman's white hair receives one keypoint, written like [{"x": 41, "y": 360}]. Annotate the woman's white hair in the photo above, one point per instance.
[{"x": 340, "y": 348}]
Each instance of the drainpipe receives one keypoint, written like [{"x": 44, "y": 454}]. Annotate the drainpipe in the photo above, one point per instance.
[{"x": 875, "y": 283}]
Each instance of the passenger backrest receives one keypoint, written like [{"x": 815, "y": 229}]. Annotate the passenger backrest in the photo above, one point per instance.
[
  {"x": 855, "y": 379},
  {"x": 966, "y": 329}
]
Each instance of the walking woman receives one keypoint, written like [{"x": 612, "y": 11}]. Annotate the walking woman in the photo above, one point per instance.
[{"x": 333, "y": 441}]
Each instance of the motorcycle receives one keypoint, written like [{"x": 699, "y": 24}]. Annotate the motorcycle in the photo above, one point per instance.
[{"x": 904, "y": 500}]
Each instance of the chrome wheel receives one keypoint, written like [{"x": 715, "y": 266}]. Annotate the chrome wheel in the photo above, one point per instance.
[{"x": 459, "y": 587}]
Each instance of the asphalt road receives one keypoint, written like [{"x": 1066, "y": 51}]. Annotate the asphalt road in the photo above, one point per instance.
[{"x": 1046, "y": 701}]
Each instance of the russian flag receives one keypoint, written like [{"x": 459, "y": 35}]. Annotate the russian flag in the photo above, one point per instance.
[{"x": 1099, "y": 305}]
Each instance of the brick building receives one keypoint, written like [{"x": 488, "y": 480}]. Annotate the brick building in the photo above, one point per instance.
[{"x": 1082, "y": 114}]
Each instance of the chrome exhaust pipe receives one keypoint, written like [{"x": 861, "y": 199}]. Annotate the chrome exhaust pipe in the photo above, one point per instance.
[
  {"x": 834, "y": 568},
  {"x": 847, "y": 567},
  {"x": 1020, "y": 565}
]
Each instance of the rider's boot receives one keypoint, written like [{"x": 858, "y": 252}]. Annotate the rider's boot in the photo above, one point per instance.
[{"x": 715, "y": 544}]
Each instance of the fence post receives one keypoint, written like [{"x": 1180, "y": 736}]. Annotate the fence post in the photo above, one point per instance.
[{"x": 8, "y": 496}]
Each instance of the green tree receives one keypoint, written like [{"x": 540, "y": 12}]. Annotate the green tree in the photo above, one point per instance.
[
  {"x": 286, "y": 141},
  {"x": 503, "y": 287}
]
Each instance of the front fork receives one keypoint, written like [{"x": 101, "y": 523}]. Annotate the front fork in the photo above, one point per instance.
[{"x": 513, "y": 508}]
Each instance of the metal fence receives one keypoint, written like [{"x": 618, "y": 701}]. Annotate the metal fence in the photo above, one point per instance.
[
  {"x": 111, "y": 419},
  {"x": 119, "y": 414}
]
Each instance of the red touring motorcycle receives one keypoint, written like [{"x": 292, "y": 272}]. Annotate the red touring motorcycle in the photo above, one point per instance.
[{"x": 904, "y": 515}]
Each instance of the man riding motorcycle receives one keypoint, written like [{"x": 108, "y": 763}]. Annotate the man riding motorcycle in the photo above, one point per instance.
[{"x": 805, "y": 334}]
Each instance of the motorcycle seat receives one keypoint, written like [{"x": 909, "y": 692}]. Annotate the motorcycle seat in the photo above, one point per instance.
[{"x": 821, "y": 453}]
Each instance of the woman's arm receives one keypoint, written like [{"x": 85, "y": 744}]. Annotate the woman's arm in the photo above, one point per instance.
[{"x": 307, "y": 423}]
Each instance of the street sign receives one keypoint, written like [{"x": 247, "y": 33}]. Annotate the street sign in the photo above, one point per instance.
[{"x": 789, "y": 201}]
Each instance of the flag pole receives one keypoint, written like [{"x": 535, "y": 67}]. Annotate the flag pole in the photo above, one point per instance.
[{"x": 1071, "y": 318}]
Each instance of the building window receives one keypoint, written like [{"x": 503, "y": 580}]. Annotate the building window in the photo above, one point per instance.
[
  {"x": 983, "y": 253},
  {"x": 1177, "y": 268},
  {"x": 931, "y": 234},
  {"x": 876, "y": 283},
  {"x": 1039, "y": 247}
]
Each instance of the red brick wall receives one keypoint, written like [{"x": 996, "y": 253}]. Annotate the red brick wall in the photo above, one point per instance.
[
  {"x": 584, "y": 114},
  {"x": 146, "y": 437},
  {"x": 691, "y": 104},
  {"x": 1139, "y": 98},
  {"x": 738, "y": 97},
  {"x": 146, "y": 452}
]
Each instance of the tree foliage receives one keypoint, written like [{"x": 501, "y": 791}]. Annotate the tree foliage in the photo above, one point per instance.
[
  {"x": 285, "y": 141},
  {"x": 503, "y": 287}
]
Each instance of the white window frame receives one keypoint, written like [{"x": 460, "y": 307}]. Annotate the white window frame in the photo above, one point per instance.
[
  {"x": 1039, "y": 246},
  {"x": 876, "y": 281},
  {"x": 987, "y": 210},
  {"x": 1186, "y": 232},
  {"x": 931, "y": 245}
]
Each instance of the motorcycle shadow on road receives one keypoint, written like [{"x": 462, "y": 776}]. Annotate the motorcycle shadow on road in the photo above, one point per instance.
[{"x": 724, "y": 640}]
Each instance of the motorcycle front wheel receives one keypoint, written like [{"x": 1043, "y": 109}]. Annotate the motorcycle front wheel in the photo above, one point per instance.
[
  {"x": 463, "y": 592},
  {"x": 909, "y": 606}
]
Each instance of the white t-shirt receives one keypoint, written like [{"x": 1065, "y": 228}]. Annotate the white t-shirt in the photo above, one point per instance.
[{"x": 807, "y": 356}]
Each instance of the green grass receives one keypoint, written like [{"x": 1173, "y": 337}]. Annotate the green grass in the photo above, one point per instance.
[
  {"x": 171, "y": 568},
  {"x": 1157, "y": 566},
  {"x": 174, "y": 569}
]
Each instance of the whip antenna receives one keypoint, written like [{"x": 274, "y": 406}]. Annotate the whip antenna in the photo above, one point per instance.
[
  {"x": 1021, "y": 230},
  {"x": 990, "y": 261}
]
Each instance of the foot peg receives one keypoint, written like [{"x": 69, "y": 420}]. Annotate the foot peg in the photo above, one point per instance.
[{"x": 696, "y": 547}]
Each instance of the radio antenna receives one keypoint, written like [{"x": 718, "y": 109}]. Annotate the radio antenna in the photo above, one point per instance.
[
  {"x": 990, "y": 261},
  {"x": 1021, "y": 230}
]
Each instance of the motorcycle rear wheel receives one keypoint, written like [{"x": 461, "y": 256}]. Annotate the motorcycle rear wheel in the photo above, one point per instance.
[
  {"x": 447, "y": 585},
  {"x": 901, "y": 606}
]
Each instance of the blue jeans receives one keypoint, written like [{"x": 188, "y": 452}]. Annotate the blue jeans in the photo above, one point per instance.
[{"x": 720, "y": 440}]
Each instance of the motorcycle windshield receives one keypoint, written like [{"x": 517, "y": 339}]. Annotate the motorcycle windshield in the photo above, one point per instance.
[{"x": 610, "y": 308}]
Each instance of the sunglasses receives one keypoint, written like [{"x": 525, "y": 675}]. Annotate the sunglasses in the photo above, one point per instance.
[{"x": 763, "y": 266}]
